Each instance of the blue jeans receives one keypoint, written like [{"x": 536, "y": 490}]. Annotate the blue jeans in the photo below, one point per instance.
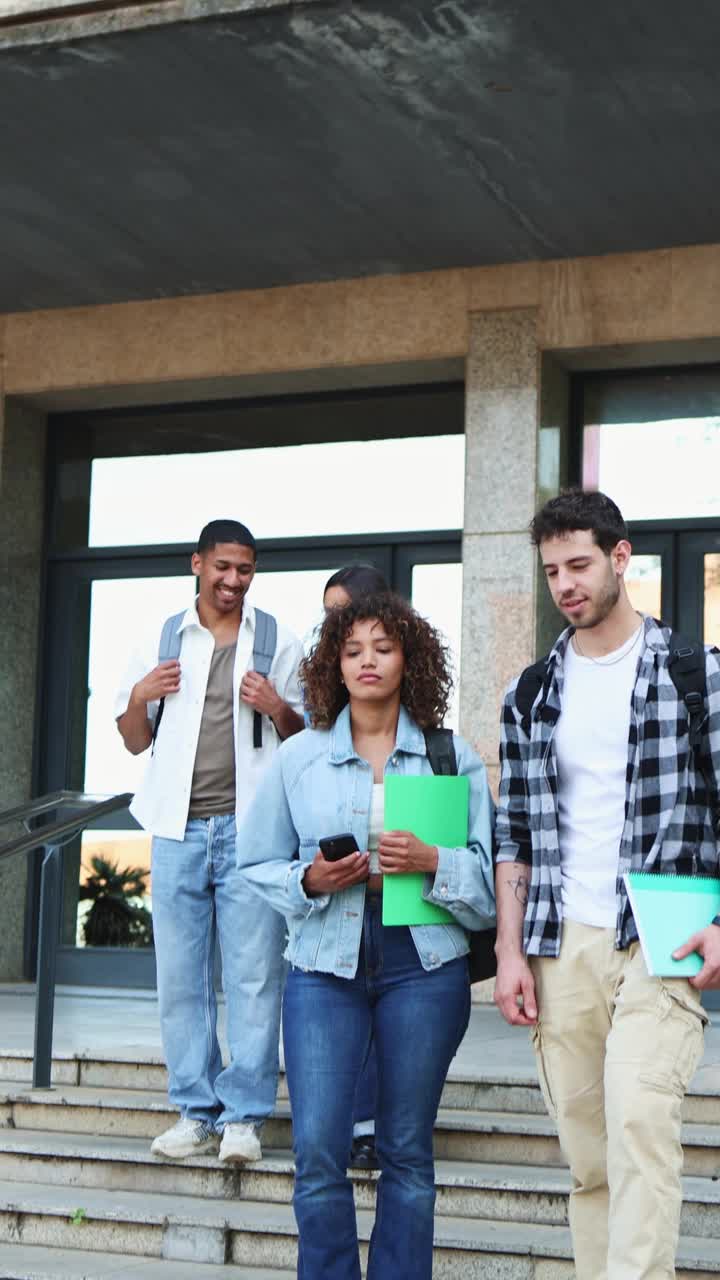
[
  {"x": 197, "y": 895},
  {"x": 417, "y": 1020},
  {"x": 366, "y": 1093}
]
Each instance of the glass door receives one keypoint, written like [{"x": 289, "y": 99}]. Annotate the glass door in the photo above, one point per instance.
[
  {"x": 650, "y": 577},
  {"x": 699, "y": 584},
  {"x": 100, "y": 615},
  {"x": 675, "y": 575},
  {"x": 322, "y": 481},
  {"x": 100, "y": 610}
]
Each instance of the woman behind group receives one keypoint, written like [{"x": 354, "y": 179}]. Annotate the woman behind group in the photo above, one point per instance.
[
  {"x": 351, "y": 582},
  {"x": 376, "y": 679}
]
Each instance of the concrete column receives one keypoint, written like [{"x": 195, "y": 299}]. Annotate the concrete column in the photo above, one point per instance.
[
  {"x": 22, "y": 489},
  {"x": 498, "y": 638}
]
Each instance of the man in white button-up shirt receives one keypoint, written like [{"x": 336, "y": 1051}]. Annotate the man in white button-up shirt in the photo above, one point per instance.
[{"x": 201, "y": 775}]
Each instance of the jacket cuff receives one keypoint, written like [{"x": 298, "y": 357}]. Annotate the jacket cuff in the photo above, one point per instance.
[
  {"x": 444, "y": 886},
  {"x": 299, "y": 900}
]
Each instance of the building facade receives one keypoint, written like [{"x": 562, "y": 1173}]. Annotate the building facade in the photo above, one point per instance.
[{"x": 553, "y": 369}]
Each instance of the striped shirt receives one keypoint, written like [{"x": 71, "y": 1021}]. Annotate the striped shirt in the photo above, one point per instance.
[{"x": 670, "y": 820}]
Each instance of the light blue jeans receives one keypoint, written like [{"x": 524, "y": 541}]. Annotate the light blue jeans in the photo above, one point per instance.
[{"x": 197, "y": 894}]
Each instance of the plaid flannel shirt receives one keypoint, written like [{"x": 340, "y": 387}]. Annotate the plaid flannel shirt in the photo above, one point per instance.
[{"x": 669, "y": 818}]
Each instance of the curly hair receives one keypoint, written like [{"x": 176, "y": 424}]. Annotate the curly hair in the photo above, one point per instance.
[{"x": 427, "y": 682}]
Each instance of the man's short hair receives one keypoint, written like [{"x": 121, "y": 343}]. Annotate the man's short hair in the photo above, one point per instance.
[
  {"x": 580, "y": 509},
  {"x": 225, "y": 531}
]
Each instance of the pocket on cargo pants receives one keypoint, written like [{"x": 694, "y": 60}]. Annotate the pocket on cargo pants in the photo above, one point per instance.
[{"x": 681, "y": 1024}]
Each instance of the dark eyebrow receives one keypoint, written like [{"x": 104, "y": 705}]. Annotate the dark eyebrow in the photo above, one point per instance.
[{"x": 552, "y": 564}]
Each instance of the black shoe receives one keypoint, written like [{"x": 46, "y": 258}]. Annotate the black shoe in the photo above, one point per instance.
[{"x": 363, "y": 1154}]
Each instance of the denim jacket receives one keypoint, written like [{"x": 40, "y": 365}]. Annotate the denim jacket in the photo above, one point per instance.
[{"x": 317, "y": 785}]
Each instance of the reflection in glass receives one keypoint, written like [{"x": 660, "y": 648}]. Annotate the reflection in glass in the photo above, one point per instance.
[
  {"x": 437, "y": 595},
  {"x": 644, "y": 584},
  {"x": 115, "y": 902},
  {"x": 712, "y": 598},
  {"x": 665, "y": 469},
  {"x": 106, "y": 898},
  {"x": 357, "y": 486}
]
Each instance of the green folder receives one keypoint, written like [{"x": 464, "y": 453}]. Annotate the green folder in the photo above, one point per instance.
[
  {"x": 435, "y": 809},
  {"x": 668, "y": 910}
]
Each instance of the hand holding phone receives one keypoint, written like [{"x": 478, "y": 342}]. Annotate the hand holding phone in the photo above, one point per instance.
[
  {"x": 334, "y": 848},
  {"x": 337, "y": 865}
]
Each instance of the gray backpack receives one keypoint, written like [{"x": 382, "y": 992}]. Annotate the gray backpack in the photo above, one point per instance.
[{"x": 264, "y": 646}]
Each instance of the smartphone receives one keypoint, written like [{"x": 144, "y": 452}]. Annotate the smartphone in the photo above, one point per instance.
[{"x": 333, "y": 848}]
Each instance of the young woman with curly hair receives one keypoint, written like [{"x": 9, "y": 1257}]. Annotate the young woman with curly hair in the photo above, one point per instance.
[{"x": 376, "y": 679}]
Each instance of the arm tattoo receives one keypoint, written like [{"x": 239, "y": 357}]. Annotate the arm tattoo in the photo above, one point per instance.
[{"x": 520, "y": 888}]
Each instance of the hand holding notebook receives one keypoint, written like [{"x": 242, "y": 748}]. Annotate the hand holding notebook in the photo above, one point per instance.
[
  {"x": 705, "y": 943},
  {"x": 668, "y": 911},
  {"x": 435, "y": 809}
]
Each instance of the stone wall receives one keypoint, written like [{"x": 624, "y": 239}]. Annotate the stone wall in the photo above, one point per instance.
[{"x": 22, "y": 487}]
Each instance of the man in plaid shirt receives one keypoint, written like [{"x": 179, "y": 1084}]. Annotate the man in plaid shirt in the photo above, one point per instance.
[{"x": 601, "y": 779}]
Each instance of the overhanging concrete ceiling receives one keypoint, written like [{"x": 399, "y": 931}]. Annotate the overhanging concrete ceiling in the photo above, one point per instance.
[{"x": 329, "y": 140}]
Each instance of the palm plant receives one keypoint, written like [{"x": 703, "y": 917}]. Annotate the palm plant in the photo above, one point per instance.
[{"x": 116, "y": 918}]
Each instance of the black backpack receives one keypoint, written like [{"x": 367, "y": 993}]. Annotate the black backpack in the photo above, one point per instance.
[
  {"x": 482, "y": 962},
  {"x": 687, "y": 671}
]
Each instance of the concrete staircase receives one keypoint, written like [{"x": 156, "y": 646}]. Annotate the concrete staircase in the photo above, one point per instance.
[{"x": 81, "y": 1197}]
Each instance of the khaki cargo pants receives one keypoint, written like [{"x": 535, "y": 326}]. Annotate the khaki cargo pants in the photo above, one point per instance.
[{"x": 616, "y": 1050}]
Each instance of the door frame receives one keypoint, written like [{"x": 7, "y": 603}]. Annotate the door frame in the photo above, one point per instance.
[{"x": 681, "y": 545}]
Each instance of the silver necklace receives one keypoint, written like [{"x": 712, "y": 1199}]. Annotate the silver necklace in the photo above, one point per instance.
[{"x": 598, "y": 661}]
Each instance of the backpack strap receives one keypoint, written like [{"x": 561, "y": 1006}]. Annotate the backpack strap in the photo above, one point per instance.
[
  {"x": 482, "y": 963},
  {"x": 171, "y": 637},
  {"x": 169, "y": 647},
  {"x": 686, "y": 666},
  {"x": 440, "y": 748},
  {"x": 264, "y": 646},
  {"x": 528, "y": 687}
]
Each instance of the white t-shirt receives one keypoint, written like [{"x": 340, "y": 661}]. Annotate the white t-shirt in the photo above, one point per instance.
[
  {"x": 591, "y": 746},
  {"x": 375, "y": 827}
]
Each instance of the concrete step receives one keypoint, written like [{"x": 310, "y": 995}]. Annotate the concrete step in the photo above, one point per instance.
[
  {"x": 500, "y": 1137},
  {"x": 187, "y": 1230},
  {"x": 34, "y": 1262},
  {"x": 518, "y": 1193},
  {"x": 515, "y": 1089}
]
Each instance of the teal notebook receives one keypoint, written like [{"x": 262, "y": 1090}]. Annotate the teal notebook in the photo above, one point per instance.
[
  {"x": 435, "y": 809},
  {"x": 668, "y": 910}
]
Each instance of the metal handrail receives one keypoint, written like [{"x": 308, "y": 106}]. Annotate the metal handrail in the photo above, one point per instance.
[
  {"x": 31, "y": 808},
  {"x": 58, "y": 832},
  {"x": 51, "y": 838}
]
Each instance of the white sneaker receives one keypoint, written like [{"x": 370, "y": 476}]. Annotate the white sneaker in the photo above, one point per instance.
[
  {"x": 186, "y": 1138},
  {"x": 240, "y": 1143}
]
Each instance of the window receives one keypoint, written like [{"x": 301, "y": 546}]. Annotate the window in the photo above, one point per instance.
[
  {"x": 293, "y": 491},
  {"x": 652, "y": 442}
]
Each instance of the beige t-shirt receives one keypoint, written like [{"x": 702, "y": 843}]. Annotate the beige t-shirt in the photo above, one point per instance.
[{"x": 213, "y": 780}]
